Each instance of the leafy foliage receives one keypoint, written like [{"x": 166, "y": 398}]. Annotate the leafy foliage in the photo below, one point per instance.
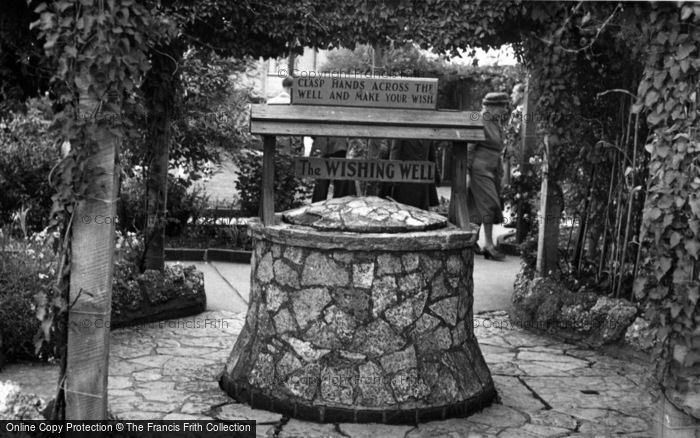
[
  {"x": 186, "y": 202},
  {"x": 469, "y": 83},
  {"x": 576, "y": 50},
  {"x": 213, "y": 111},
  {"x": 24, "y": 70},
  {"x": 27, "y": 269},
  {"x": 210, "y": 118},
  {"x": 574, "y": 67},
  {"x": 289, "y": 190},
  {"x": 671, "y": 223},
  {"x": 27, "y": 154}
]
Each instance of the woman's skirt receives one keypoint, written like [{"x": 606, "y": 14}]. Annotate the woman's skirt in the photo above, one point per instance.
[{"x": 483, "y": 193}]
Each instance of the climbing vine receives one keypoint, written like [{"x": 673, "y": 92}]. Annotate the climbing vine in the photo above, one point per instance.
[
  {"x": 667, "y": 248},
  {"x": 670, "y": 272}
]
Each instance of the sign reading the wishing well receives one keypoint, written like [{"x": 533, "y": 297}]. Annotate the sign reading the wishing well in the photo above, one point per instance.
[{"x": 365, "y": 170}]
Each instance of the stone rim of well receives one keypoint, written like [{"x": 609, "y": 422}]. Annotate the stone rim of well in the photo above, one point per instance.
[{"x": 369, "y": 214}]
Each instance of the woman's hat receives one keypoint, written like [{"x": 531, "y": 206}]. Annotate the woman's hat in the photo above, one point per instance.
[{"x": 496, "y": 99}]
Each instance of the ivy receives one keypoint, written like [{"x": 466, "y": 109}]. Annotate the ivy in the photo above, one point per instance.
[{"x": 671, "y": 223}]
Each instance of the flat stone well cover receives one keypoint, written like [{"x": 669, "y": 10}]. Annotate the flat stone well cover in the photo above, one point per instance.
[{"x": 365, "y": 215}]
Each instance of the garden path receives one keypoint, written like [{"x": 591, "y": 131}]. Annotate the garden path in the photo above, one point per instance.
[
  {"x": 168, "y": 370},
  {"x": 547, "y": 388}
]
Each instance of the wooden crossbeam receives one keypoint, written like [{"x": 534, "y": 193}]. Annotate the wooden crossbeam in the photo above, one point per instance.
[{"x": 289, "y": 120}]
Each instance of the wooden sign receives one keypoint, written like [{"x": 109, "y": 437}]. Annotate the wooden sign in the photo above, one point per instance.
[
  {"x": 365, "y": 170},
  {"x": 407, "y": 93}
]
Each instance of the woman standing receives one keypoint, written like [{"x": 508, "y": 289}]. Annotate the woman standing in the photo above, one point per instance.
[{"x": 484, "y": 169}]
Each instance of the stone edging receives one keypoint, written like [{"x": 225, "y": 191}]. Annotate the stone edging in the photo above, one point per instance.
[
  {"x": 324, "y": 414},
  {"x": 207, "y": 255},
  {"x": 156, "y": 296},
  {"x": 176, "y": 308}
]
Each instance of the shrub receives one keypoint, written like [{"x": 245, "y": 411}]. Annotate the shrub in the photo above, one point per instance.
[
  {"x": 289, "y": 191},
  {"x": 152, "y": 295},
  {"x": 528, "y": 253},
  {"x": 185, "y": 204},
  {"x": 18, "y": 405},
  {"x": 28, "y": 152},
  {"x": 26, "y": 268},
  {"x": 212, "y": 236}
]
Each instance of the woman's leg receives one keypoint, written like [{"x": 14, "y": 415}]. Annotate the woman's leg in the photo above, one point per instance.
[
  {"x": 488, "y": 234},
  {"x": 490, "y": 251}
]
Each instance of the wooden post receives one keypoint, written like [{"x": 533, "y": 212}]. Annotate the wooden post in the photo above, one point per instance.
[
  {"x": 268, "y": 180},
  {"x": 377, "y": 59},
  {"x": 529, "y": 142},
  {"x": 458, "y": 212},
  {"x": 92, "y": 244},
  {"x": 550, "y": 216}
]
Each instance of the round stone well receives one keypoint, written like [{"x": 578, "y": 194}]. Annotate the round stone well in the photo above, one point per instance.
[{"x": 360, "y": 311}]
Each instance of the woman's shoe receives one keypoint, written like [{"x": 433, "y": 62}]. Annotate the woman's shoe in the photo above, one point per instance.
[
  {"x": 477, "y": 249},
  {"x": 493, "y": 254}
]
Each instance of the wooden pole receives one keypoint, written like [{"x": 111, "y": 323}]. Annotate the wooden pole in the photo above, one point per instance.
[
  {"x": 579, "y": 250},
  {"x": 90, "y": 296},
  {"x": 550, "y": 215},
  {"x": 377, "y": 59},
  {"x": 268, "y": 180},
  {"x": 527, "y": 146},
  {"x": 291, "y": 60},
  {"x": 607, "y": 219},
  {"x": 458, "y": 212},
  {"x": 630, "y": 201},
  {"x": 544, "y": 191}
]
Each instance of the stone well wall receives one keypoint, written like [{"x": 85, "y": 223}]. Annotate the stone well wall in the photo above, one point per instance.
[{"x": 360, "y": 327}]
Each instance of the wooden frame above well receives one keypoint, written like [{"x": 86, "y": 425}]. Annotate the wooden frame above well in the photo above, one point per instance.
[{"x": 460, "y": 127}]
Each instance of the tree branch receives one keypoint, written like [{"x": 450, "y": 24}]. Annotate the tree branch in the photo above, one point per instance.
[
  {"x": 593, "y": 40},
  {"x": 616, "y": 90}
]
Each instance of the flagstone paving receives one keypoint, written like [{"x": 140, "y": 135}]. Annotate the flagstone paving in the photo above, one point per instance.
[{"x": 169, "y": 370}]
